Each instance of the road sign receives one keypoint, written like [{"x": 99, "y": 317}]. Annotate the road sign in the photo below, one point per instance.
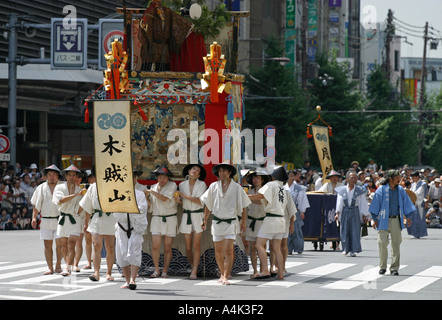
[
  {"x": 4, "y": 143},
  {"x": 110, "y": 29},
  {"x": 68, "y": 44}
]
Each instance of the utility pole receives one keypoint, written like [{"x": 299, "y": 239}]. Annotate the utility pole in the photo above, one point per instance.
[
  {"x": 12, "y": 87},
  {"x": 304, "y": 26},
  {"x": 421, "y": 135},
  {"x": 388, "y": 44}
]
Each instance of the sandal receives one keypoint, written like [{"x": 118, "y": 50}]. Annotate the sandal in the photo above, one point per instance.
[
  {"x": 109, "y": 277},
  {"x": 155, "y": 274},
  {"x": 66, "y": 273},
  {"x": 48, "y": 272},
  {"x": 164, "y": 275},
  {"x": 124, "y": 286},
  {"x": 132, "y": 286},
  {"x": 94, "y": 278}
]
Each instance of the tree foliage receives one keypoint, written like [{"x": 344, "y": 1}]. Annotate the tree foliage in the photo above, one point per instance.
[{"x": 274, "y": 83}]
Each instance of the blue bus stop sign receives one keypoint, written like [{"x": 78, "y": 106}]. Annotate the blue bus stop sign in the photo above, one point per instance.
[{"x": 68, "y": 44}]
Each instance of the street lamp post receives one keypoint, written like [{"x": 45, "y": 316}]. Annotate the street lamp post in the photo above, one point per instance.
[{"x": 12, "y": 86}]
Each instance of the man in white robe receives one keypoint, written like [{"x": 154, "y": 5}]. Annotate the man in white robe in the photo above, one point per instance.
[
  {"x": 419, "y": 227},
  {"x": 129, "y": 239},
  {"x": 164, "y": 223},
  {"x": 42, "y": 204},
  {"x": 330, "y": 186},
  {"x": 225, "y": 200},
  {"x": 299, "y": 196},
  {"x": 273, "y": 228},
  {"x": 101, "y": 225},
  {"x": 193, "y": 212},
  {"x": 67, "y": 197}
]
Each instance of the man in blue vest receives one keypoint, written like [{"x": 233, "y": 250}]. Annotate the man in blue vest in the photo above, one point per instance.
[{"x": 388, "y": 208}]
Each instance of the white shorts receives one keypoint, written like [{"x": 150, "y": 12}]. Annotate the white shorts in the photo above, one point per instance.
[
  {"x": 217, "y": 238},
  {"x": 48, "y": 234},
  {"x": 270, "y": 236},
  {"x": 69, "y": 229},
  {"x": 166, "y": 235},
  {"x": 168, "y": 228}
]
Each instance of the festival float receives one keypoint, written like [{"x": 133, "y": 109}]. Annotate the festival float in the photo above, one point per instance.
[{"x": 168, "y": 74}]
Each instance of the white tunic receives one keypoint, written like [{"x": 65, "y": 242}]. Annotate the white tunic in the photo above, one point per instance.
[
  {"x": 164, "y": 210},
  {"x": 225, "y": 207},
  {"x": 255, "y": 217},
  {"x": 42, "y": 201},
  {"x": 299, "y": 196},
  {"x": 128, "y": 251},
  {"x": 328, "y": 187},
  {"x": 104, "y": 224},
  {"x": 275, "y": 203},
  {"x": 196, "y": 217},
  {"x": 69, "y": 207}
]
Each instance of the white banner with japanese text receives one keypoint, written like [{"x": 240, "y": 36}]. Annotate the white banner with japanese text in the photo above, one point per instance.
[
  {"x": 113, "y": 156},
  {"x": 321, "y": 138}
]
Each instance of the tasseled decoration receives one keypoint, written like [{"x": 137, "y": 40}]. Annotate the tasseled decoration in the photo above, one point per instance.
[
  {"x": 308, "y": 133},
  {"x": 230, "y": 107},
  {"x": 140, "y": 111},
  {"x": 86, "y": 113}
]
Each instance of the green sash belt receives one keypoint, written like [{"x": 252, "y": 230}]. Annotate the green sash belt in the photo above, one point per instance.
[
  {"x": 50, "y": 217},
  {"x": 100, "y": 213},
  {"x": 253, "y": 223},
  {"x": 218, "y": 220},
  {"x": 163, "y": 218},
  {"x": 188, "y": 212},
  {"x": 63, "y": 216},
  {"x": 268, "y": 214}
]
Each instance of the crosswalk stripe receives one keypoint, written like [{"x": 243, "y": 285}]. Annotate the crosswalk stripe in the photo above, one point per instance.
[
  {"x": 22, "y": 265},
  {"x": 326, "y": 269},
  {"x": 309, "y": 275},
  {"x": 418, "y": 281},
  {"x": 365, "y": 277},
  {"x": 368, "y": 276}
]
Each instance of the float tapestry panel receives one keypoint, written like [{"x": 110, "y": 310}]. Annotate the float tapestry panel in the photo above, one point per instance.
[{"x": 149, "y": 138}]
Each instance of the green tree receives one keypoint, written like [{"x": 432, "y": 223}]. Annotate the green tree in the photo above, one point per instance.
[
  {"x": 334, "y": 90},
  {"x": 275, "y": 84},
  {"x": 391, "y": 139}
]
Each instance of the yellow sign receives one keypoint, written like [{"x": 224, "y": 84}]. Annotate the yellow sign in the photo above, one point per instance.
[
  {"x": 321, "y": 138},
  {"x": 113, "y": 156}
]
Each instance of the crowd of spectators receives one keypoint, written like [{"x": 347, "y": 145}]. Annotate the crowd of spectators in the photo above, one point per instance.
[
  {"x": 17, "y": 185},
  {"x": 371, "y": 175}
]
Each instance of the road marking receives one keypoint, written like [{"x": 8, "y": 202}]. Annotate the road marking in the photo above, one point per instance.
[
  {"x": 308, "y": 275},
  {"x": 365, "y": 278},
  {"x": 418, "y": 281}
]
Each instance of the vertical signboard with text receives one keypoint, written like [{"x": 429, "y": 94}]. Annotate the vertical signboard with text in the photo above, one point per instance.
[{"x": 69, "y": 44}]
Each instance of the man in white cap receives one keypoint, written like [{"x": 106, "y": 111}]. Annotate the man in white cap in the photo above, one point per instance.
[
  {"x": 225, "y": 199},
  {"x": 330, "y": 186},
  {"x": 67, "y": 196},
  {"x": 42, "y": 204},
  {"x": 191, "y": 190}
]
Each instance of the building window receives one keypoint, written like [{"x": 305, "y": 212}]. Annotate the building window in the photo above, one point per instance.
[{"x": 397, "y": 60}]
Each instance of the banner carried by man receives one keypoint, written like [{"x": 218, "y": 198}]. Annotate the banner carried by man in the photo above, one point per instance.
[{"x": 113, "y": 156}]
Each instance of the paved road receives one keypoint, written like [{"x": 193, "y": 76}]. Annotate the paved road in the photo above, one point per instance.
[{"x": 314, "y": 274}]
